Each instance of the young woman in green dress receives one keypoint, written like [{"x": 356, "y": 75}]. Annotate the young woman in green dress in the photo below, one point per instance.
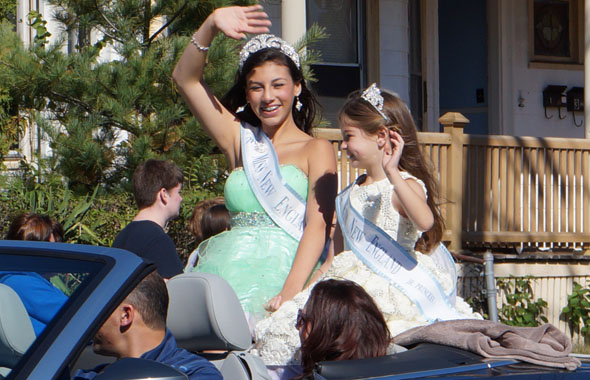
[{"x": 280, "y": 222}]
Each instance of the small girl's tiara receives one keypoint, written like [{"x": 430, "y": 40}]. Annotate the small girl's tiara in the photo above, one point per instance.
[
  {"x": 373, "y": 95},
  {"x": 263, "y": 41}
]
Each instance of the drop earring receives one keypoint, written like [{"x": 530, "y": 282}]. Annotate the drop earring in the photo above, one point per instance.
[
  {"x": 298, "y": 104},
  {"x": 241, "y": 108}
]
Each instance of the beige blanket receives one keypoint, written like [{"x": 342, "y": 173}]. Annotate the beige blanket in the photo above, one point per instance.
[{"x": 543, "y": 345}]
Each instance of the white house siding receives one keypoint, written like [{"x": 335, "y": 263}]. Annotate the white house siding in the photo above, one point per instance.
[
  {"x": 518, "y": 80},
  {"x": 394, "y": 46}
]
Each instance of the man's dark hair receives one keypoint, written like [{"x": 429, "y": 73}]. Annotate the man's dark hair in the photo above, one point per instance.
[
  {"x": 150, "y": 299},
  {"x": 150, "y": 177}
]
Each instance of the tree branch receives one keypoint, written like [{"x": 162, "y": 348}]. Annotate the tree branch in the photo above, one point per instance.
[
  {"x": 109, "y": 22},
  {"x": 174, "y": 17}
]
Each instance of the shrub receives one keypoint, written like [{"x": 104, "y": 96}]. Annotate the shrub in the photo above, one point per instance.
[
  {"x": 96, "y": 218},
  {"x": 519, "y": 307},
  {"x": 577, "y": 311}
]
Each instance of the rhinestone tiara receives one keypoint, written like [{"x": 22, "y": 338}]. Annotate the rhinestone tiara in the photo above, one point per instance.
[
  {"x": 263, "y": 41},
  {"x": 373, "y": 95}
]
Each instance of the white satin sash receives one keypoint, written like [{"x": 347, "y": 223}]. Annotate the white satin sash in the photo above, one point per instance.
[
  {"x": 261, "y": 165},
  {"x": 380, "y": 252}
]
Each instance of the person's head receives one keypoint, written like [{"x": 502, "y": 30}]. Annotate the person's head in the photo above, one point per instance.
[
  {"x": 158, "y": 180},
  {"x": 365, "y": 131},
  {"x": 58, "y": 231},
  {"x": 270, "y": 84},
  {"x": 36, "y": 227},
  {"x": 209, "y": 218},
  {"x": 141, "y": 315},
  {"x": 340, "y": 321}
]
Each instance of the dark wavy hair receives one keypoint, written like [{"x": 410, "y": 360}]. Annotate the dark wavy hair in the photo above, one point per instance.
[
  {"x": 343, "y": 323},
  {"x": 35, "y": 227},
  {"x": 236, "y": 96},
  {"x": 360, "y": 113}
]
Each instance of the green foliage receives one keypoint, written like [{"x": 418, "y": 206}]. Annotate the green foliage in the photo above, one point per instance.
[
  {"x": 8, "y": 11},
  {"x": 107, "y": 105},
  {"x": 10, "y": 126},
  {"x": 577, "y": 311},
  {"x": 53, "y": 199},
  {"x": 96, "y": 218},
  {"x": 478, "y": 304},
  {"x": 39, "y": 25},
  {"x": 519, "y": 307},
  {"x": 104, "y": 116}
]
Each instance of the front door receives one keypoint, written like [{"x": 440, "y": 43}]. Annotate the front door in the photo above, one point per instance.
[{"x": 463, "y": 61}]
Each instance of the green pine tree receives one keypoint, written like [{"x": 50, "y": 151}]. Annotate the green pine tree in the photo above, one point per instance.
[
  {"x": 8, "y": 10},
  {"x": 84, "y": 103}
]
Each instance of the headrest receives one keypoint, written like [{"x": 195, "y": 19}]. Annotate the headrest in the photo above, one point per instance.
[
  {"x": 205, "y": 314},
  {"x": 16, "y": 330}
]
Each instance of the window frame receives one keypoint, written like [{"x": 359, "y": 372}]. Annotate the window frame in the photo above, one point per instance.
[{"x": 576, "y": 39}]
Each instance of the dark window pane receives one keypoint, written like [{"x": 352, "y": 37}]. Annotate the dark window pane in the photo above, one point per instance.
[{"x": 339, "y": 17}]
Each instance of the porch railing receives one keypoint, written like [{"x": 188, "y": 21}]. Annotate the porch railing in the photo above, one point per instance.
[{"x": 503, "y": 191}]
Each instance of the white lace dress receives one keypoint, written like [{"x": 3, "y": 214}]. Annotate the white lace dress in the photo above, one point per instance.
[{"x": 277, "y": 340}]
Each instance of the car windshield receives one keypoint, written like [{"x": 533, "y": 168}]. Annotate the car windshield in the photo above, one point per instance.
[{"x": 33, "y": 292}]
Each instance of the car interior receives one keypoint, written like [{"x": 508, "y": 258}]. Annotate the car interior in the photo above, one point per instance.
[
  {"x": 206, "y": 317},
  {"x": 16, "y": 330}
]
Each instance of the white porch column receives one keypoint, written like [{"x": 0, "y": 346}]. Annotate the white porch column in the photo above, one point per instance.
[
  {"x": 587, "y": 69},
  {"x": 293, "y": 20},
  {"x": 22, "y": 28}
]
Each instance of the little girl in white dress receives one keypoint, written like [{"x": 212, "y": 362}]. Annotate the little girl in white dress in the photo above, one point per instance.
[{"x": 376, "y": 128}]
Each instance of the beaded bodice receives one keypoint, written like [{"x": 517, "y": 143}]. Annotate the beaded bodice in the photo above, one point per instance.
[
  {"x": 244, "y": 208},
  {"x": 374, "y": 202}
]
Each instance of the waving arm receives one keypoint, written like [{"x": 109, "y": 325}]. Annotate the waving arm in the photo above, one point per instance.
[{"x": 218, "y": 122}]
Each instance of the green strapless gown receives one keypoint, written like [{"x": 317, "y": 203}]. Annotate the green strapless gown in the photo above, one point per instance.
[{"x": 256, "y": 255}]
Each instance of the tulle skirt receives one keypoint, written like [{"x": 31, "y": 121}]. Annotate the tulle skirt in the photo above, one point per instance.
[
  {"x": 277, "y": 339},
  {"x": 255, "y": 260}
]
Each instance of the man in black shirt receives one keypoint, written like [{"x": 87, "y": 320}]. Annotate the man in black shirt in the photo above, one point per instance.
[{"x": 156, "y": 187}]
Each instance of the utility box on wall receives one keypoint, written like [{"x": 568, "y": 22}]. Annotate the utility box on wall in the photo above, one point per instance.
[
  {"x": 553, "y": 96},
  {"x": 575, "y": 103},
  {"x": 575, "y": 99}
]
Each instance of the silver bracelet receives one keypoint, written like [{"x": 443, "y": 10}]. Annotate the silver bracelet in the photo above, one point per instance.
[{"x": 199, "y": 47}]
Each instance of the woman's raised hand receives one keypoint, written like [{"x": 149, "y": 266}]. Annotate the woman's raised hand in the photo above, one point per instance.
[
  {"x": 393, "y": 151},
  {"x": 235, "y": 22}
]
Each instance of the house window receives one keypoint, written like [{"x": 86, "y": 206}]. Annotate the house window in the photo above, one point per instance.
[
  {"x": 341, "y": 70},
  {"x": 554, "y": 31}
]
